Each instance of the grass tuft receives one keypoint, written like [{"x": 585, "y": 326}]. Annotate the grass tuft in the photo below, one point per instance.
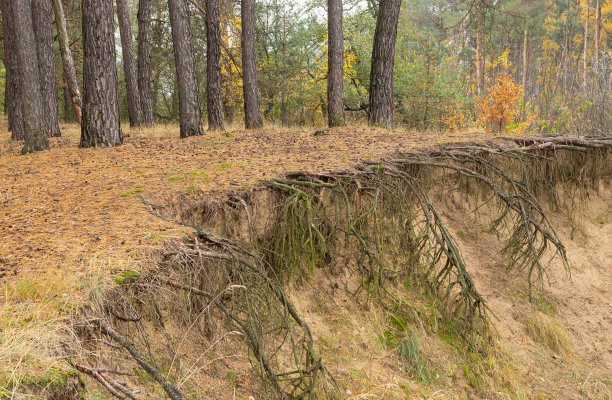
[{"x": 549, "y": 332}]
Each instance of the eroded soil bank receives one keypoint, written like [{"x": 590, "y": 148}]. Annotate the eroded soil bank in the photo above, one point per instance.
[{"x": 382, "y": 280}]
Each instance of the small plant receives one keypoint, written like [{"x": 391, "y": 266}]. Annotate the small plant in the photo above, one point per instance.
[
  {"x": 498, "y": 109},
  {"x": 127, "y": 277},
  {"x": 175, "y": 178},
  {"x": 399, "y": 337}
]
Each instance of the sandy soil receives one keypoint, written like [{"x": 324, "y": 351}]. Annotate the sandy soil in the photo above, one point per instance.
[{"x": 581, "y": 303}]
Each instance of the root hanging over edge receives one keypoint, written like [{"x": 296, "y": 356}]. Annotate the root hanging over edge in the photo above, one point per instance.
[{"x": 376, "y": 209}]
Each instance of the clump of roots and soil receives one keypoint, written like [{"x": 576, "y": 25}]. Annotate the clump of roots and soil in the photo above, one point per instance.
[{"x": 225, "y": 311}]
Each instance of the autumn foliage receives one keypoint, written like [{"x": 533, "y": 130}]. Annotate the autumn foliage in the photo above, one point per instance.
[{"x": 497, "y": 109}]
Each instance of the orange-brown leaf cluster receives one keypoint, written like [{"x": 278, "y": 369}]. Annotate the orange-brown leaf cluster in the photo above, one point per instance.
[{"x": 498, "y": 108}]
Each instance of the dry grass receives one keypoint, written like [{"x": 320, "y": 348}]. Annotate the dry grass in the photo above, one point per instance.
[
  {"x": 34, "y": 318},
  {"x": 548, "y": 331}
]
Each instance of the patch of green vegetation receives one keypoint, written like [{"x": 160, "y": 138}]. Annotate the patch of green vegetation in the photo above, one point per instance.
[
  {"x": 176, "y": 178},
  {"x": 379, "y": 169},
  {"x": 474, "y": 379},
  {"x": 466, "y": 235},
  {"x": 224, "y": 165},
  {"x": 232, "y": 377},
  {"x": 208, "y": 143},
  {"x": 127, "y": 277},
  {"x": 602, "y": 219},
  {"x": 198, "y": 174},
  {"x": 53, "y": 380},
  {"x": 137, "y": 190},
  {"x": 226, "y": 134},
  {"x": 192, "y": 189},
  {"x": 399, "y": 337}
]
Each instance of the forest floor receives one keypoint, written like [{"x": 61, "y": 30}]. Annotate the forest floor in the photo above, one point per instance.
[
  {"x": 60, "y": 207},
  {"x": 72, "y": 219}
]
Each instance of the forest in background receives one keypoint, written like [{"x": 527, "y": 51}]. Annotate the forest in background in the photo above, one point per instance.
[{"x": 509, "y": 65}]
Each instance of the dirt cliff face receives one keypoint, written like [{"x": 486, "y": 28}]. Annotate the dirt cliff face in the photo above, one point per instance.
[{"x": 381, "y": 280}]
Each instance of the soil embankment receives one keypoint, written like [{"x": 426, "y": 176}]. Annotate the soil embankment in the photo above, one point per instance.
[{"x": 349, "y": 279}]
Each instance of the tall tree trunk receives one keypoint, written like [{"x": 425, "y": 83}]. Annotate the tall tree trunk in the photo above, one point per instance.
[
  {"x": 129, "y": 64},
  {"x": 586, "y": 45},
  {"x": 144, "y": 61},
  {"x": 383, "y": 60},
  {"x": 252, "y": 113},
  {"x": 67, "y": 61},
  {"x": 479, "y": 61},
  {"x": 335, "y": 64},
  {"x": 597, "y": 32},
  {"x": 29, "y": 73},
  {"x": 43, "y": 33},
  {"x": 568, "y": 45},
  {"x": 525, "y": 57},
  {"x": 283, "y": 111},
  {"x": 214, "y": 101},
  {"x": 12, "y": 99},
  {"x": 101, "y": 122},
  {"x": 68, "y": 111},
  {"x": 187, "y": 80}
]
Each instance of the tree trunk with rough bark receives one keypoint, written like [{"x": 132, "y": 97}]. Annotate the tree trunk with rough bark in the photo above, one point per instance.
[
  {"x": 525, "y": 58},
  {"x": 101, "y": 125},
  {"x": 597, "y": 32},
  {"x": 335, "y": 64},
  {"x": 43, "y": 33},
  {"x": 12, "y": 98},
  {"x": 479, "y": 54},
  {"x": 29, "y": 73},
  {"x": 252, "y": 113},
  {"x": 187, "y": 81},
  {"x": 214, "y": 101},
  {"x": 68, "y": 111},
  {"x": 586, "y": 45},
  {"x": 144, "y": 61},
  {"x": 67, "y": 61},
  {"x": 383, "y": 61},
  {"x": 129, "y": 64}
]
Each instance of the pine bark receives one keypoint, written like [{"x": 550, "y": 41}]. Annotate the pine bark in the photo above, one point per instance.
[
  {"x": 29, "y": 72},
  {"x": 586, "y": 45},
  {"x": 335, "y": 64},
  {"x": 252, "y": 112},
  {"x": 12, "y": 98},
  {"x": 383, "y": 61},
  {"x": 68, "y": 61},
  {"x": 214, "y": 100},
  {"x": 129, "y": 64},
  {"x": 144, "y": 61},
  {"x": 479, "y": 55},
  {"x": 525, "y": 58},
  {"x": 101, "y": 125},
  {"x": 187, "y": 82},
  {"x": 597, "y": 32},
  {"x": 43, "y": 33}
]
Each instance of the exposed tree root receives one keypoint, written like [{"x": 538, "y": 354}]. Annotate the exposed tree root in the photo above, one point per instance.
[{"x": 385, "y": 214}]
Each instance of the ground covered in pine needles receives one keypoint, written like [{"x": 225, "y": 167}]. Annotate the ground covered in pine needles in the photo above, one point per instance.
[
  {"x": 59, "y": 208},
  {"x": 73, "y": 223}
]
